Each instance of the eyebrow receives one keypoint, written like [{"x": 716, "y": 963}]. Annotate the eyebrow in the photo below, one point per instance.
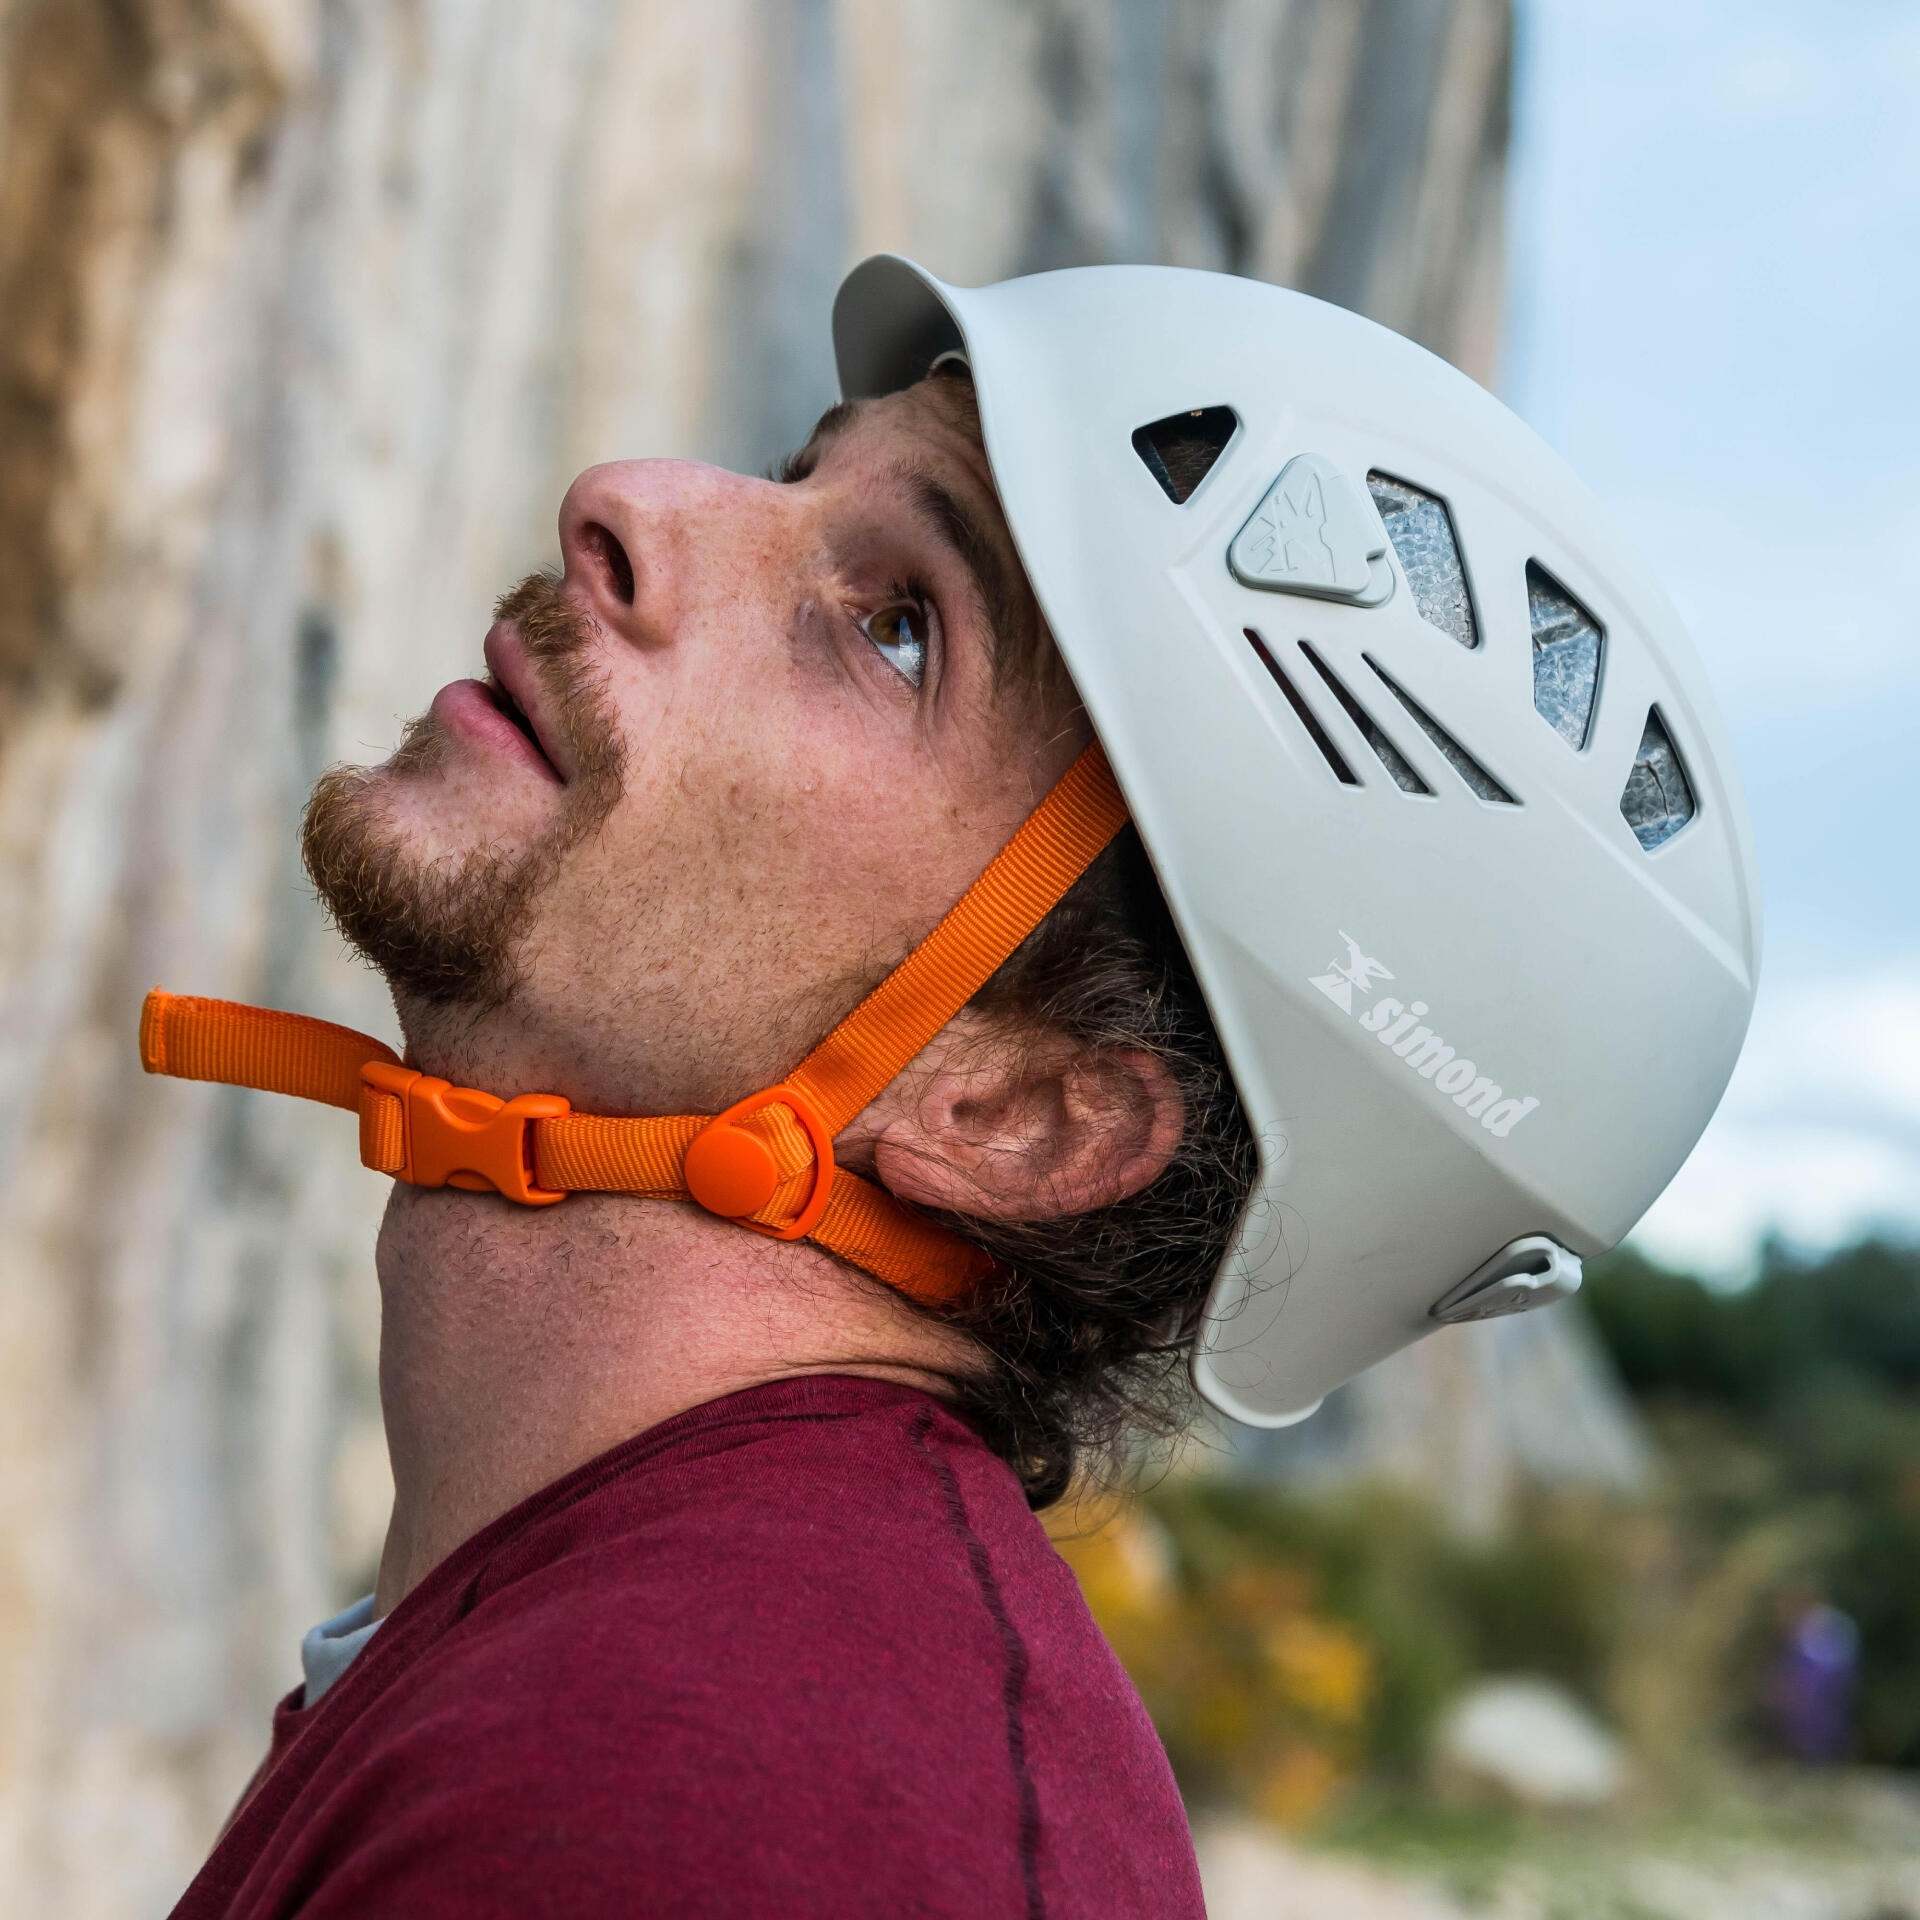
[
  {"x": 997, "y": 588},
  {"x": 826, "y": 430},
  {"x": 1012, "y": 634}
]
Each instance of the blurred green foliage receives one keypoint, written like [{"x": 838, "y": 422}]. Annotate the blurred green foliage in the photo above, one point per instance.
[
  {"x": 1796, "y": 1399},
  {"x": 1288, "y": 1645},
  {"x": 1856, "y": 1312},
  {"x": 1434, "y": 1608},
  {"x": 1295, "y": 1644}
]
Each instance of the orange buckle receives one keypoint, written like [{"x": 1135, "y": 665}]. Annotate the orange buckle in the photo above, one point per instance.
[
  {"x": 732, "y": 1174},
  {"x": 460, "y": 1137}
]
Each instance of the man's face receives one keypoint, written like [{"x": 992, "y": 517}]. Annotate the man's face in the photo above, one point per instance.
[{"x": 772, "y": 730}]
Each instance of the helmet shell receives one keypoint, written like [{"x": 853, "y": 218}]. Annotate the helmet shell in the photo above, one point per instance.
[{"x": 1601, "y": 988}]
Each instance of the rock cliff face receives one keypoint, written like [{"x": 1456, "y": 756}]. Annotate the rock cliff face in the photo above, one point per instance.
[{"x": 308, "y": 311}]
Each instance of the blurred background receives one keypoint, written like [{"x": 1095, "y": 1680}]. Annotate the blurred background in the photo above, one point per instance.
[{"x": 309, "y": 309}]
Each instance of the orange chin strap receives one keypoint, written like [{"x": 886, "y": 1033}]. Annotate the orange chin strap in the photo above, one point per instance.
[{"x": 766, "y": 1163}]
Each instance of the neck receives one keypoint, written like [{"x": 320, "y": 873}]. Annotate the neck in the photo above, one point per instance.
[{"x": 518, "y": 1343}]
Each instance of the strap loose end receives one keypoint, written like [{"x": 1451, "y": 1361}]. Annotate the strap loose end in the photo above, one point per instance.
[
  {"x": 194, "y": 1039},
  {"x": 153, "y": 1029}
]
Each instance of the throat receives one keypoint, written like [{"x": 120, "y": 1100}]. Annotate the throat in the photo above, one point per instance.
[{"x": 517, "y": 1343}]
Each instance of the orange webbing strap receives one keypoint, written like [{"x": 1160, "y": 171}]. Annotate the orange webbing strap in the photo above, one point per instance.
[
  {"x": 536, "y": 1151},
  {"x": 196, "y": 1039},
  {"x": 1060, "y": 840},
  {"x": 861, "y": 1222},
  {"x": 255, "y": 1047}
]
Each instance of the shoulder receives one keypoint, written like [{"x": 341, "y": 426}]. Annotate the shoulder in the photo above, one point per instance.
[
  {"x": 849, "y": 1591},
  {"x": 852, "y": 1645}
]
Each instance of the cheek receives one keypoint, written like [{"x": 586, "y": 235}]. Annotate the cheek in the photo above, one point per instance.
[
  {"x": 750, "y": 785},
  {"x": 751, "y": 737},
  {"x": 763, "y": 878},
  {"x": 784, "y": 835}
]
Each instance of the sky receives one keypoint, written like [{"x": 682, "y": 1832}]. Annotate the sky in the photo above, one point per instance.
[{"x": 1714, "y": 224}]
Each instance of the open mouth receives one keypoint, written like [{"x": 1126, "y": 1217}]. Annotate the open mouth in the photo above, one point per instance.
[{"x": 513, "y": 710}]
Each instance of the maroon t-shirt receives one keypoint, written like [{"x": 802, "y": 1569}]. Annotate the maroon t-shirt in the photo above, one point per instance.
[{"x": 802, "y": 1651}]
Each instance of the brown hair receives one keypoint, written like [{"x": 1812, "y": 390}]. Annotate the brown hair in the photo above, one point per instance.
[{"x": 1085, "y": 1338}]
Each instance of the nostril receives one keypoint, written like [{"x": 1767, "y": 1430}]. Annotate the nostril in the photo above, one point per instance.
[{"x": 619, "y": 567}]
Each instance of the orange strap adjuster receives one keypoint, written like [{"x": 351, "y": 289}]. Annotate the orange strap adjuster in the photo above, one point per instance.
[{"x": 766, "y": 1163}]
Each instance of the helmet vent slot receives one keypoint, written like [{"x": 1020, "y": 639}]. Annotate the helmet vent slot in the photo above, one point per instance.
[
  {"x": 1389, "y": 756},
  {"x": 1567, "y": 642},
  {"x": 1457, "y": 757},
  {"x": 1658, "y": 800},
  {"x": 1304, "y": 713},
  {"x": 1421, "y": 530},
  {"x": 1180, "y": 450}
]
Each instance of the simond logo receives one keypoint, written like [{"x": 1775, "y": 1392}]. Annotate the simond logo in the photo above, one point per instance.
[
  {"x": 1338, "y": 982},
  {"x": 1398, "y": 1026}
]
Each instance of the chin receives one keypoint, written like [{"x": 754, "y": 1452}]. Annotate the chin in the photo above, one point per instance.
[
  {"x": 445, "y": 810},
  {"x": 435, "y": 902}
]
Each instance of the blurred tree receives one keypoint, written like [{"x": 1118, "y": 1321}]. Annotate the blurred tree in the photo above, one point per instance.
[
  {"x": 1795, "y": 1401},
  {"x": 1669, "y": 1333}
]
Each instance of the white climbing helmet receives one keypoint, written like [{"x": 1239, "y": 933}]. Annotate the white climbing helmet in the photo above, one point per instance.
[{"x": 1425, "y": 764}]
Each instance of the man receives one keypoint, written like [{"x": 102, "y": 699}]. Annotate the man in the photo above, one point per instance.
[{"x": 712, "y": 1585}]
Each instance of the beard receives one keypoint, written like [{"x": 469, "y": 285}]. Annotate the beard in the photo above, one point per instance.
[{"x": 448, "y": 929}]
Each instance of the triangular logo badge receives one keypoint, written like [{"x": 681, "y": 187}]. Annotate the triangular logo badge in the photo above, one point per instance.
[{"x": 1315, "y": 533}]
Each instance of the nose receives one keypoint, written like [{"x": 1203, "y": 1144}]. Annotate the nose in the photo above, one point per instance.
[{"x": 642, "y": 541}]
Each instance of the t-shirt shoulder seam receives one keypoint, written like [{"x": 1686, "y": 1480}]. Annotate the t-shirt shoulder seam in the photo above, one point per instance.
[{"x": 979, "y": 1560}]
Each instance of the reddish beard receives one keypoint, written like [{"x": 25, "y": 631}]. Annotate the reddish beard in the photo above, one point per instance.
[{"x": 448, "y": 930}]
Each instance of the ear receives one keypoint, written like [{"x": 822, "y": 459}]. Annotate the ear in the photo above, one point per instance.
[{"x": 1024, "y": 1127}]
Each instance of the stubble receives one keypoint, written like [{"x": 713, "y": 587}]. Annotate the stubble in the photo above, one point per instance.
[{"x": 449, "y": 930}]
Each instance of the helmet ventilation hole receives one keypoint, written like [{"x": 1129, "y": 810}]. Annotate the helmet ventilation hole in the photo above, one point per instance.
[
  {"x": 1421, "y": 530},
  {"x": 1180, "y": 450},
  {"x": 1304, "y": 713},
  {"x": 1658, "y": 800},
  {"x": 1567, "y": 640},
  {"x": 1457, "y": 757},
  {"x": 1389, "y": 756}
]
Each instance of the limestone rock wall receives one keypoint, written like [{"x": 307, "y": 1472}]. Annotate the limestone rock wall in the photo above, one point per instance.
[{"x": 308, "y": 311}]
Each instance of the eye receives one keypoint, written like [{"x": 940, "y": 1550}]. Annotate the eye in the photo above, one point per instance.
[{"x": 899, "y": 631}]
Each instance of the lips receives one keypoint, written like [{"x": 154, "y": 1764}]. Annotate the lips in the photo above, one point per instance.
[
  {"x": 469, "y": 710},
  {"x": 516, "y": 713},
  {"x": 513, "y": 687}
]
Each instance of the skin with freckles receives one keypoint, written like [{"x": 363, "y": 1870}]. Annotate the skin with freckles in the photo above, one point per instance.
[{"x": 767, "y": 733}]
